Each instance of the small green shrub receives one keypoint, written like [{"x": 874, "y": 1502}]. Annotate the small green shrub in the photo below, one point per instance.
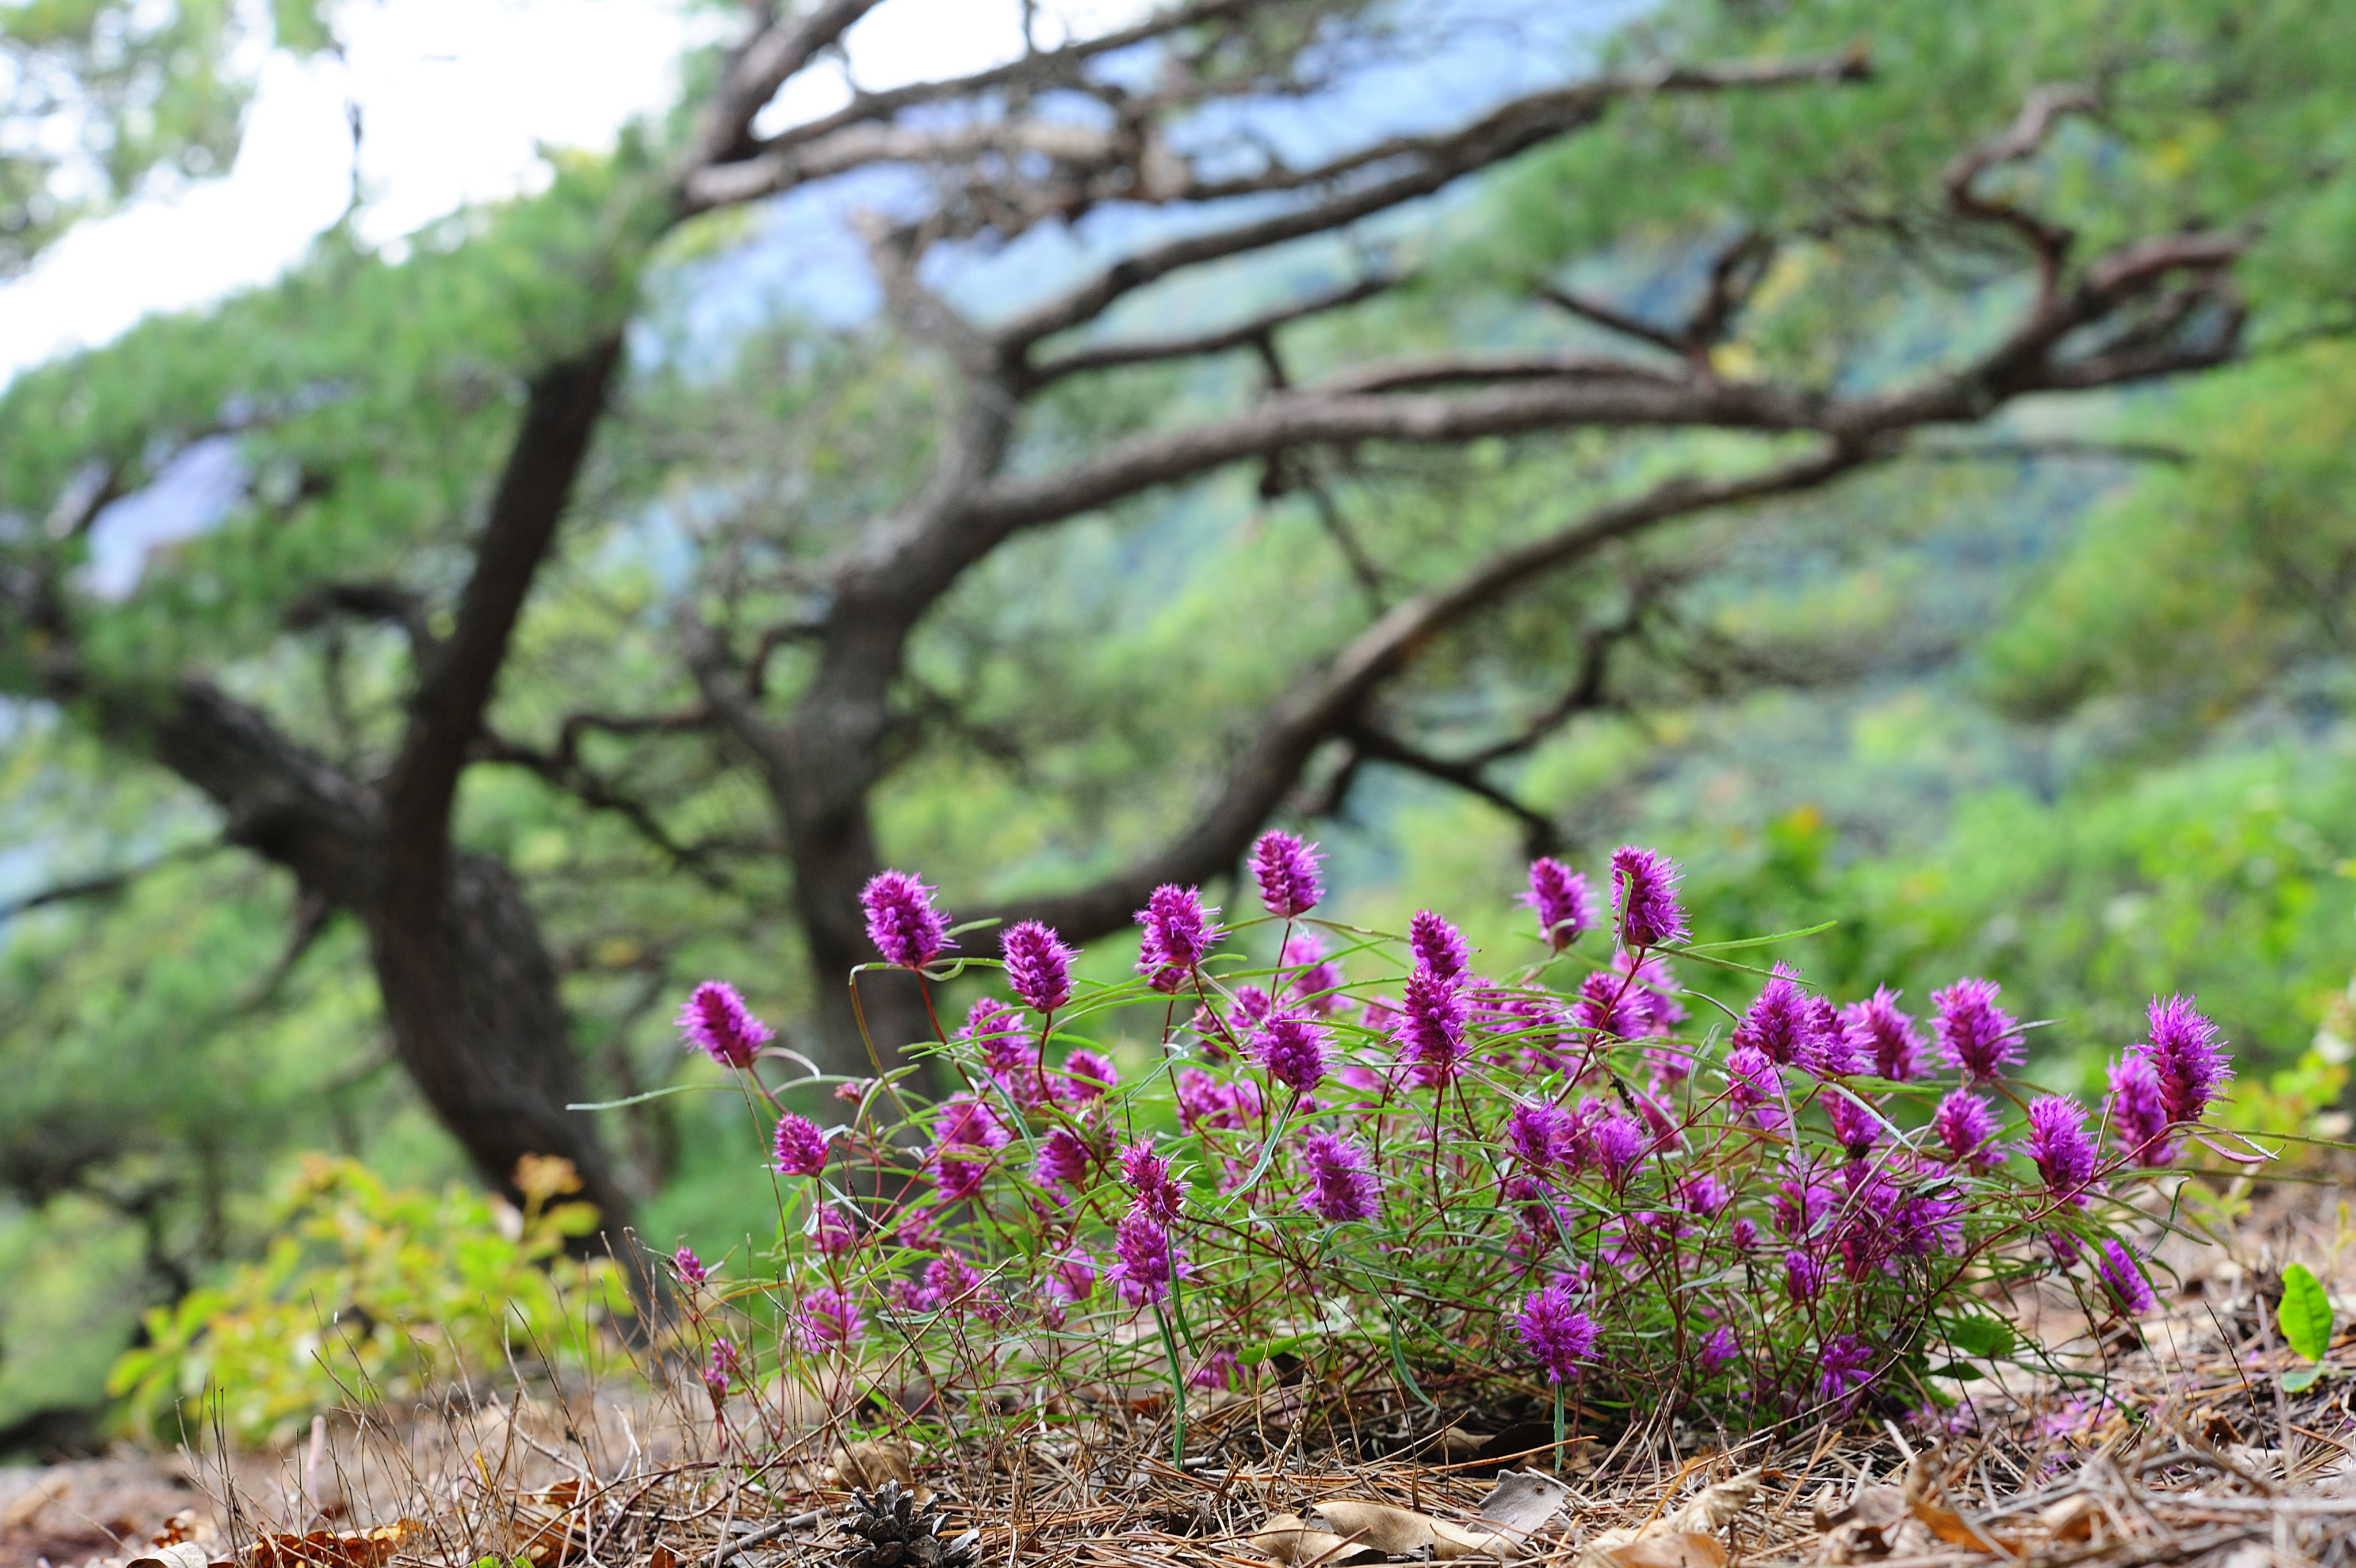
[{"x": 375, "y": 1293}]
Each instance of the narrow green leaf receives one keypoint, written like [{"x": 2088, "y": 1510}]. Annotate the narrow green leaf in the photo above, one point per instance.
[
  {"x": 1979, "y": 1336},
  {"x": 2299, "y": 1378},
  {"x": 2305, "y": 1314}
]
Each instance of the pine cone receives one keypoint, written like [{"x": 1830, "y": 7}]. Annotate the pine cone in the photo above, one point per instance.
[{"x": 893, "y": 1532}]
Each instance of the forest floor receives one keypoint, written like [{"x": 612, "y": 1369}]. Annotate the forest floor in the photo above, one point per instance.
[{"x": 2188, "y": 1451}]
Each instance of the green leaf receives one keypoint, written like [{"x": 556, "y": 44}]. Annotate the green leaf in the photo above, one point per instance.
[
  {"x": 2305, "y": 1314},
  {"x": 1961, "y": 1371},
  {"x": 1979, "y": 1336},
  {"x": 2299, "y": 1378}
]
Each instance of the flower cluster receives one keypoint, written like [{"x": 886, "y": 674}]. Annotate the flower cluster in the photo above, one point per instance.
[{"x": 1576, "y": 1185}]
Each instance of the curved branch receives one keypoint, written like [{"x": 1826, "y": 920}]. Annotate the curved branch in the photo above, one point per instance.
[{"x": 1112, "y": 356}]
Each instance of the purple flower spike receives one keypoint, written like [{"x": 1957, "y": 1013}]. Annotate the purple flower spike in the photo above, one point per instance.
[
  {"x": 1438, "y": 945},
  {"x": 1616, "y": 1143},
  {"x": 1719, "y": 1350},
  {"x": 1535, "y": 1129},
  {"x": 1558, "y": 1336},
  {"x": 1090, "y": 1074},
  {"x": 1062, "y": 1160},
  {"x": 1783, "y": 1023},
  {"x": 1291, "y": 1047},
  {"x": 830, "y": 1317},
  {"x": 1148, "y": 1176},
  {"x": 1431, "y": 1034},
  {"x": 1885, "y": 1037},
  {"x": 720, "y": 1371},
  {"x": 1644, "y": 898},
  {"x": 1846, "y": 1366},
  {"x": 2184, "y": 1050},
  {"x": 2138, "y": 1112},
  {"x": 1965, "y": 1123},
  {"x": 716, "y": 1022},
  {"x": 2060, "y": 1143},
  {"x": 692, "y": 1270},
  {"x": 1342, "y": 1184},
  {"x": 2122, "y": 1279},
  {"x": 1979, "y": 1039},
  {"x": 1613, "y": 1006},
  {"x": 801, "y": 1146},
  {"x": 1146, "y": 1258},
  {"x": 1558, "y": 896},
  {"x": 832, "y": 1233},
  {"x": 1038, "y": 965},
  {"x": 1855, "y": 1126},
  {"x": 1314, "y": 988},
  {"x": 1287, "y": 869},
  {"x": 901, "y": 919},
  {"x": 1803, "y": 1276},
  {"x": 1179, "y": 933},
  {"x": 1753, "y": 1084}
]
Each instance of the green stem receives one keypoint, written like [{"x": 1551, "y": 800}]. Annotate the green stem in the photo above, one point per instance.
[{"x": 1177, "y": 1389}]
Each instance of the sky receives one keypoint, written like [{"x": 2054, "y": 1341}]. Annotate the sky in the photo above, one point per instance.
[{"x": 455, "y": 98}]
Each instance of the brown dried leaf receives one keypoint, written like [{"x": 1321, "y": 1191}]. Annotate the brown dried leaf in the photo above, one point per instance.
[
  {"x": 1715, "y": 1506},
  {"x": 335, "y": 1549},
  {"x": 867, "y": 1466},
  {"x": 1926, "y": 1497},
  {"x": 174, "y": 1555},
  {"x": 1287, "y": 1539},
  {"x": 1397, "y": 1531},
  {"x": 1523, "y": 1501},
  {"x": 2072, "y": 1519}
]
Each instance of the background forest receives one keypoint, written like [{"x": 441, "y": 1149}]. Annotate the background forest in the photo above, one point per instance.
[{"x": 2023, "y": 653}]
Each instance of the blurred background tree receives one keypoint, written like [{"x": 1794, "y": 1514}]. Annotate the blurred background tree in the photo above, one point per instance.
[{"x": 1889, "y": 455}]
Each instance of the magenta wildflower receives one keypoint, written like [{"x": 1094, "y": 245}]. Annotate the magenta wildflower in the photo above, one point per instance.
[
  {"x": 1979, "y": 1039},
  {"x": 2189, "y": 1059},
  {"x": 2060, "y": 1143},
  {"x": 1534, "y": 1128},
  {"x": 1342, "y": 1184},
  {"x": 1179, "y": 933},
  {"x": 1220, "y": 1369},
  {"x": 1431, "y": 1034},
  {"x": 2123, "y": 1279},
  {"x": 1090, "y": 1074},
  {"x": 1652, "y": 988},
  {"x": 1801, "y": 1203},
  {"x": 1753, "y": 1085},
  {"x": 2067, "y": 1252},
  {"x": 691, "y": 1269},
  {"x": 1617, "y": 1141},
  {"x": 1315, "y": 988},
  {"x": 996, "y": 1031},
  {"x": 721, "y": 1368},
  {"x": 1148, "y": 1176},
  {"x": 954, "y": 1285},
  {"x": 1612, "y": 1006},
  {"x": 1291, "y": 1047},
  {"x": 1884, "y": 1035},
  {"x": 716, "y": 1022},
  {"x": 1203, "y": 1101},
  {"x": 1830, "y": 1053},
  {"x": 901, "y": 919},
  {"x": 1845, "y": 1367},
  {"x": 1558, "y": 894},
  {"x": 1928, "y": 1222},
  {"x": 1438, "y": 945},
  {"x": 1062, "y": 1160},
  {"x": 1072, "y": 1278},
  {"x": 1703, "y": 1196},
  {"x": 801, "y": 1146},
  {"x": 1644, "y": 898},
  {"x": 1287, "y": 870},
  {"x": 1558, "y": 1336},
  {"x": 1855, "y": 1126},
  {"x": 1803, "y": 1276},
  {"x": 1038, "y": 965},
  {"x": 1146, "y": 1258},
  {"x": 1965, "y": 1123},
  {"x": 832, "y": 1233},
  {"x": 1781, "y": 1023},
  {"x": 1719, "y": 1350},
  {"x": 1744, "y": 1234},
  {"x": 2138, "y": 1112},
  {"x": 829, "y": 1317},
  {"x": 961, "y": 1120}
]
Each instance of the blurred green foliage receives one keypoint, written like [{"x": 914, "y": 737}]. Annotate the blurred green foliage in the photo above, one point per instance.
[{"x": 371, "y": 1292}]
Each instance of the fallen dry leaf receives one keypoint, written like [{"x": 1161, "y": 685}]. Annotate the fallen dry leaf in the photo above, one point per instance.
[
  {"x": 1926, "y": 1498},
  {"x": 1687, "y": 1538},
  {"x": 865, "y": 1466},
  {"x": 2072, "y": 1519},
  {"x": 1398, "y": 1531},
  {"x": 1287, "y": 1539},
  {"x": 1523, "y": 1501},
  {"x": 20, "y": 1512},
  {"x": 335, "y": 1549},
  {"x": 173, "y": 1554}
]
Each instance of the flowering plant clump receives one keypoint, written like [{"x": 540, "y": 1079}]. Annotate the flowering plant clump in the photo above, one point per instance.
[{"x": 1566, "y": 1171}]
